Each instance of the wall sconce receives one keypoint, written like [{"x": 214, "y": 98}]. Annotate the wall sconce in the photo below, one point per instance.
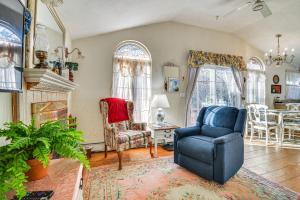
[
  {"x": 79, "y": 53},
  {"x": 67, "y": 53}
]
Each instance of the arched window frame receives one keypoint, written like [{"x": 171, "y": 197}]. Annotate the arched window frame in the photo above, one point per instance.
[
  {"x": 133, "y": 42},
  {"x": 260, "y": 75},
  {"x": 261, "y": 63},
  {"x": 139, "y": 113}
]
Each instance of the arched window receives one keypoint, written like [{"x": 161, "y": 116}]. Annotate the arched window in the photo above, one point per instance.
[
  {"x": 132, "y": 77},
  {"x": 256, "y": 81}
]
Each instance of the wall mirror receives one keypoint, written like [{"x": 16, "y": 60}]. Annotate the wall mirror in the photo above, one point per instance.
[
  {"x": 49, "y": 29},
  {"x": 171, "y": 78}
]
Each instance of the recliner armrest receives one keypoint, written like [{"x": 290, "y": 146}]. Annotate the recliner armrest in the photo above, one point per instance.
[
  {"x": 185, "y": 132},
  {"x": 227, "y": 138}
]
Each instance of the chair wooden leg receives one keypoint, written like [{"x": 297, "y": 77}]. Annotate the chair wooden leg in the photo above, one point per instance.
[
  {"x": 150, "y": 145},
  {"x": 120, "y": 154},
  {"x": 105, "y": 149}
]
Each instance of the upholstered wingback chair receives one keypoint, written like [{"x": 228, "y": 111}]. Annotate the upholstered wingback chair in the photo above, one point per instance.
[
  {"x": 126, "y": 134},
  {"x": 214, "y": 148}
]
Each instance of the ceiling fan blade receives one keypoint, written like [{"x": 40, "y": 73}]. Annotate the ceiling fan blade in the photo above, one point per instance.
[
  {"x": 237, "y": 9},
  {"x": 266, "y": 10}
]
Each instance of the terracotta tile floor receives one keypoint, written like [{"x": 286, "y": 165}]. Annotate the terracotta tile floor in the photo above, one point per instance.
[{"x": 280, "y": 165}]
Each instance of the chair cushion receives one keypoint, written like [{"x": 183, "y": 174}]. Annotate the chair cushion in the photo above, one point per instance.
[
  {"x": 133, "y": 139},
  {"x": 130, "y": 135},
  {"x": 197, "y": 147},
  {"x": 214, "y": 132},
  {"x": 220, "y": 116}
]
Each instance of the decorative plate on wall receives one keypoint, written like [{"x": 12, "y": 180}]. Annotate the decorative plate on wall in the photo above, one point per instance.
[{"x": 275, "y": 79}]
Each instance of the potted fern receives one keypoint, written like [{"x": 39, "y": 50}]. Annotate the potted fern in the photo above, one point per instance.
[{"x": 30, "y": 149}]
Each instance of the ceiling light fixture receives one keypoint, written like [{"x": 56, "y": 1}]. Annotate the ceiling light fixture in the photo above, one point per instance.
[
  {"x": 258, "y": 5},
  {"x": 280, "y": 58},
  {"x": 53, "y": 3}
]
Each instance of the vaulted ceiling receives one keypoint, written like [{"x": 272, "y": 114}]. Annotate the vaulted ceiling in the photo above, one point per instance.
[{"x": 91, "y": 17}]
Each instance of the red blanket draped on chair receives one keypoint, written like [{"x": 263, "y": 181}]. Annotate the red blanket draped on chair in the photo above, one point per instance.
[{"x": 117, "y": 110}]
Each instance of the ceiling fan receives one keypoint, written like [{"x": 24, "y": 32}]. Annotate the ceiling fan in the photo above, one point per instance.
[{"x": 256, "y": 5}]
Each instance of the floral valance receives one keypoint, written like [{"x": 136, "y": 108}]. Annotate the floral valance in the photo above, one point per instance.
[
  {"x": 199, "y": 58},
  {"x": 131, "y": 66}
]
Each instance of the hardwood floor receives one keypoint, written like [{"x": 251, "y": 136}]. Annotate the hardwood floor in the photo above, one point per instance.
[{"x": 276, "y": 164}]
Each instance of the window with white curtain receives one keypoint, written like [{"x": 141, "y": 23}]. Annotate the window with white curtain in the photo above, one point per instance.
[
  {"x": 215, "y": 86},
  {"x": 132, "y": 77},
  {"x": 256, "y": 82},
  {"x": 292, "y": 85}
]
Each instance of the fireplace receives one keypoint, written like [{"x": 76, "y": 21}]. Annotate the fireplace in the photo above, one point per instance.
[{"x": 49, "y": 111}]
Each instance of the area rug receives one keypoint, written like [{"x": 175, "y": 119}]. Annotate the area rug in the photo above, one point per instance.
[{"x": 161, "y": 179}]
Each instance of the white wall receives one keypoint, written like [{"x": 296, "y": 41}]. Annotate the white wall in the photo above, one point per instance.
[
  {"x": 270, "y": 72},
  {"x": 167, "y": 42}
]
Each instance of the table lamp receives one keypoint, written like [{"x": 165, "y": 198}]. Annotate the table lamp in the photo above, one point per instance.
[{"x": 160, "y": 101}]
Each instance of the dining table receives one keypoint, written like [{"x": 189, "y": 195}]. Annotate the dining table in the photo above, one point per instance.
[{"x": 281, "y": 114}]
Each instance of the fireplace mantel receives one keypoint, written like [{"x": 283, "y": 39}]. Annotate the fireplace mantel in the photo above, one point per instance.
[{"x": 46, "y": 80}]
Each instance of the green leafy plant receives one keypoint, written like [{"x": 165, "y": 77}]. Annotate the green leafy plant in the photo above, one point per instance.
[
  {"x": 72, "y": 66},
  {"x": 28, "y": 142}
]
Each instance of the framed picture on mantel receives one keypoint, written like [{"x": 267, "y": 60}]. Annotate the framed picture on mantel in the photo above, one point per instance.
[{"x": 276, "y": 89}]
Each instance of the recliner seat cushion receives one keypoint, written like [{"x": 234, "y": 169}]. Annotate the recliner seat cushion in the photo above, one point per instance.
[
  {"x": 220, "y": 116},
  {"x": 200, "y": 148},
  {"x": 209, "y": 131}
]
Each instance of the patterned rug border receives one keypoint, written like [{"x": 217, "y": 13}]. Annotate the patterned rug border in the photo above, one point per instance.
[
  {"x": 269, "y": 183},
  {"x": 252, "y": 176}
]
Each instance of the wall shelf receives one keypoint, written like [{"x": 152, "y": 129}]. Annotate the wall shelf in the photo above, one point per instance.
[{"x": 46, "y": 80}]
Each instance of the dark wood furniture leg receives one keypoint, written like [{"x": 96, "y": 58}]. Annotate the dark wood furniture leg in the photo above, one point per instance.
[
  {"x": 105, "y": 149},
  {"x": 120, "y": 153},
  {"x": 150, "y": 145}
]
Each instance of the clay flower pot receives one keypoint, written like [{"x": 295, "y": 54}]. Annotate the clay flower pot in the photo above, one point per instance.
[{"x": 37, "y": 171}]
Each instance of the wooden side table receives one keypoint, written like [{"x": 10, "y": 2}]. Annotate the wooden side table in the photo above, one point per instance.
[{"x": 162, "y": 132}]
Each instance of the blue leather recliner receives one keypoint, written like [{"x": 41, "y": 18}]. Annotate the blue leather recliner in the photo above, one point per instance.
[{"x": 214, "y": 148}]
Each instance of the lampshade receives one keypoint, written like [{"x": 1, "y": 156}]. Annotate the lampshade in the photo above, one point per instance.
[{"x": 160, "y": 101}]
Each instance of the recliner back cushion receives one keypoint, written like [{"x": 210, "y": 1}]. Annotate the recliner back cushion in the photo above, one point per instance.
[{"x": 220, "y": 116}]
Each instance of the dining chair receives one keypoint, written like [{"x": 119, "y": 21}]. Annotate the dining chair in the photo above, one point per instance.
[
  {"x": 291, "y": 121},
  {"x": 293, "y": 106},
  {"x": 249, "y": 123},
  {"x": 265, "y": 121}
]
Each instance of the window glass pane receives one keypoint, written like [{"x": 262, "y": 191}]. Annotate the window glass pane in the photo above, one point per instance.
[
  {"x": 256, "y": 82},
  {"x": 292, "y": 85},
  {"x": 215, "y": 86}
]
